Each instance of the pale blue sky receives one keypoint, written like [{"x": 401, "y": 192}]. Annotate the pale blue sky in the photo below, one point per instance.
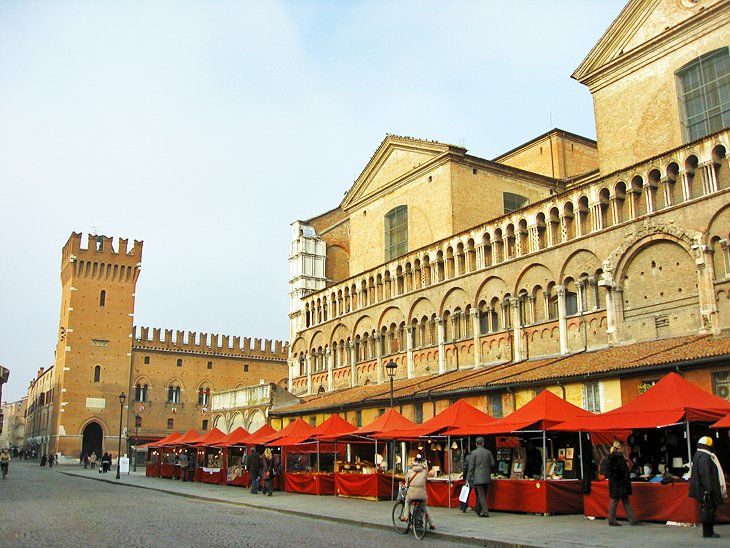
[{"x": 206, "y": 127}]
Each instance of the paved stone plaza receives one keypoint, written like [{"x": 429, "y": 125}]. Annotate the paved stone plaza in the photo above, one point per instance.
[{"x": 70, "y": 506}]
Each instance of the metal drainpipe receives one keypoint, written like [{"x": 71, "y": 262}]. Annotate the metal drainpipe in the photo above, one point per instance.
[{"x": 563, "y": 388}]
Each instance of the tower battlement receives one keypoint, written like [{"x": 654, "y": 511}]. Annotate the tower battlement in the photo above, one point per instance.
[
  {"x": 100, "y": 247},
  {"x": 204, "y": 343}
]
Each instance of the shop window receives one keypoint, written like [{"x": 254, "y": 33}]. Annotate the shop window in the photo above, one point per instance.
[
  {"x": 170, "y": 424},
  {"x": 704, "y": 94},
  {"x": 721, "y": 384},
  {"x": 97, "y": 373},
  {"x": 146, "y": 360},
  {"x": 205, "y": 424},
  {"x": 494, "y": 405},
  {"x": 396, "y": 232},
  {"x": 592, "y": 397},
  {"x": 418, "y": 413}
]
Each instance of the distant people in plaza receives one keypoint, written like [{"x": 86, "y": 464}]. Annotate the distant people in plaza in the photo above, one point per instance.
[
  {"x": 92, "y": 459},
  {"x": 619, "y": 484},
  {"x": 190, "y": 476},
  {"x": 5, "y": 461},
  {"x": 267, "y": 464},
  {"x": 707, "y": 485},
  {"x": 533, "y": 462},
  {"x": 86, "y": 460},
  {"x": 44, "y": 459},
  {"x": 51, "y": 460},
  {"x": 416, "y": 484},
  {"x": 481, "y": 463},
  {"x": 254, "y": 470},
  {"x": 464, "y": 506},
  {"x": 106, "y": 462}
]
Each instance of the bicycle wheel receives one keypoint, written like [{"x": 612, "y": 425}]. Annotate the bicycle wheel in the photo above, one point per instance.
[
  {"x": 399, "y": 526},
  {"x": 419, "y": 522}
]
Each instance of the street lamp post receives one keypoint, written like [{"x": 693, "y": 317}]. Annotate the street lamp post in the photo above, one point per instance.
[
  {"x": 391, "y": 367},
  {"x": 122, "y": 397}
]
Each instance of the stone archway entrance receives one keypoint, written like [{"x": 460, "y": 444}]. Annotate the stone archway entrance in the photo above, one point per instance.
[{"x": 93, "y": 436}]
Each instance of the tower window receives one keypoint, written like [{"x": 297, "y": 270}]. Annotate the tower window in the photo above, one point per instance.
[
  {"x": 396, "y": 232},
  {"x": 179, "y": 362},
  {"x": 97, "y": 373},
  {"x": 146, "y": 360},
  {"x": 245, "y": 368},
  {"x": 102, "y": 298},
  {"x": 170, "y": 424},
  {"x": 704, "y": 94},
  {"x": 205, "y": 424},
  {"x": 210, "y": 365}
]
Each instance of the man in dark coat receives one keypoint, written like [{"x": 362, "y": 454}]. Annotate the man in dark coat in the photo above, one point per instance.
[
  {"x": 254, "y": 471},
  {"x": 707, "y": 485},
  {"x": 619, "y": 484},
  {"x": 479, "y": 476}
]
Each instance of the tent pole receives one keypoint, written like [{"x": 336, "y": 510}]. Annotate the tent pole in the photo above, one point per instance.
[
  {"x": 544, "y": 456},
  {"x": 318, "y": 456},
  {"x": 689, "y": 442},
  {"x": 580, "y": 451},
  {"x": 448, "y": 444}
]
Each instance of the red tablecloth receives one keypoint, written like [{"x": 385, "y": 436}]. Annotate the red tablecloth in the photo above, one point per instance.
[
  {"x": 241, "y": 480},
  {"x": 168, "y": 470},
  {"x": 152, "y": 470},
  {"x": 652, "y": 502},
  {"x": 531, "y": 496},
  {"x": 376, "y": 485},
  {"x": 213, "y": 477},
  {"x": 310, "y": 483}
]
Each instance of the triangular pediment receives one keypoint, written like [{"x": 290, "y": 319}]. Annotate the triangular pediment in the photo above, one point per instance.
[
  {"x": 640, "y": 23},
  {"x": 395, "y": 160}
]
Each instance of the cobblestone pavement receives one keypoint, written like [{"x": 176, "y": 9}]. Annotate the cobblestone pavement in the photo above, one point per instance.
[
  {"x": 46, "y": 507},
  {"x": 62, "y": 507}
]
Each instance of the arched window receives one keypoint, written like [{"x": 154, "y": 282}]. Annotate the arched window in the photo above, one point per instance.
[
  {"x": 203, "y": 395},
  {"x": 704, "y": 94},
  {"x": 97, "y": 373},
  {"x": 140, "y": 392},
  {"x": 173, "y": 394},
  {"x": 102, "y": 298},
  {"x": 396, "y": 232}
]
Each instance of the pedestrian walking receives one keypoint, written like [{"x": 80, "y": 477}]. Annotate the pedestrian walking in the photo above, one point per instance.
[
  {"x": 463, "y": 506},
  {"x": 92, "y": 459},
  {"x": 44, "y": 459},
  {"x": 5, "y": 461},
  {"x": 619, "y": 484},
  {"x": 191, "y": 467},
  {"x": 254, "y": 471},
  {"x": 51, "y": 460},
  {"x": 707, "y": 485},
  {"x": 106, "y": 462},
  {"x": 481, "y": 462},
  {"x": 267, "y": 464}
]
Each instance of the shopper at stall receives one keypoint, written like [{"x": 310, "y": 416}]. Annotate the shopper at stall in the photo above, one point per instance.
[
  {"x": 416, "y": 484},
  {"x": 254, "y": 471},
  {"x": 619, "y": 484},
  {"x": 267, "y": 465},
  {"x": 463, "y": 506},
  {"x": 481, "y": 462},
  {"x": 707, "y": 485}
]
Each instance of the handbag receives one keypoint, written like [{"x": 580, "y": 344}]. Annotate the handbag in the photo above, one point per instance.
[{"x": 464, "y": 495}]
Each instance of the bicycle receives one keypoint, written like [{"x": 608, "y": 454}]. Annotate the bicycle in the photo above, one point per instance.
[{"x": 416, "y": 516}]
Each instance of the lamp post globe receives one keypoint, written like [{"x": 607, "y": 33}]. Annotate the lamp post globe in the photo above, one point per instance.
[{"x": 122, "y": 398}]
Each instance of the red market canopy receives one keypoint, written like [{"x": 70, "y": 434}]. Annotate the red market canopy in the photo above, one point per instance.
[
  {"x": 293, "y": 432},
  {"x": 237, "y": 437},
  {"x": 213, "y": 437},
  {"x": 670, "y": 401},
  {"x": 542, "y": 413},
  {"x": 191, "y": 436},
  {"x": 722, "y": 423},
  {"x": 257, "y": 438},
  {"x": 387, "y": 422},
  {"x": 159, "y": 443},
  {"x": 460, "y": 414},
  {"x": 331, "y": 428}
]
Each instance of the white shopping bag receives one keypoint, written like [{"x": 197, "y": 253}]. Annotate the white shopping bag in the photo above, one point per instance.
[{"x": 464, "y": 495}]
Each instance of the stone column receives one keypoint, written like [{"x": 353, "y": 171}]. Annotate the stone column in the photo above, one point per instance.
[
  {"x": 379, "y": 356},
  {"x": 665, "y": 190},
  {"x": 614, "y": 210},
  {"x": 330, "y": 372},
  {"x": 353, "y": 364},
  {"x": 650, "y": 205},
  {"x": 308, "y": 361},
  {"x": 562, "y": 319},
  {"x": 514, "y": 309},
  {"x": 440, "y": 331},
  {"x": 709, "y": 177},
  {"x": 613, "y": 300},
  {"x": 596, "y": 217},
  {"x": 686, "y": 178},
  {"x": 409, "y": 351},
  {"x": 474, "y": 313},
  {"x": 705, "y": 277}
]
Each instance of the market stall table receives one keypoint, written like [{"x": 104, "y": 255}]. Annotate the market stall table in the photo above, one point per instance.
[
  {"x": 652, "y": 502},
  {"x": 212, "y": 475},
  {"x": 371, "y": 486},
  {"x": 310, "y": 483}
]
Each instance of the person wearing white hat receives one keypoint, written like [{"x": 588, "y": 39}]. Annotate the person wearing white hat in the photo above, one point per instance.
[{"x": 707, "y": 485}]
